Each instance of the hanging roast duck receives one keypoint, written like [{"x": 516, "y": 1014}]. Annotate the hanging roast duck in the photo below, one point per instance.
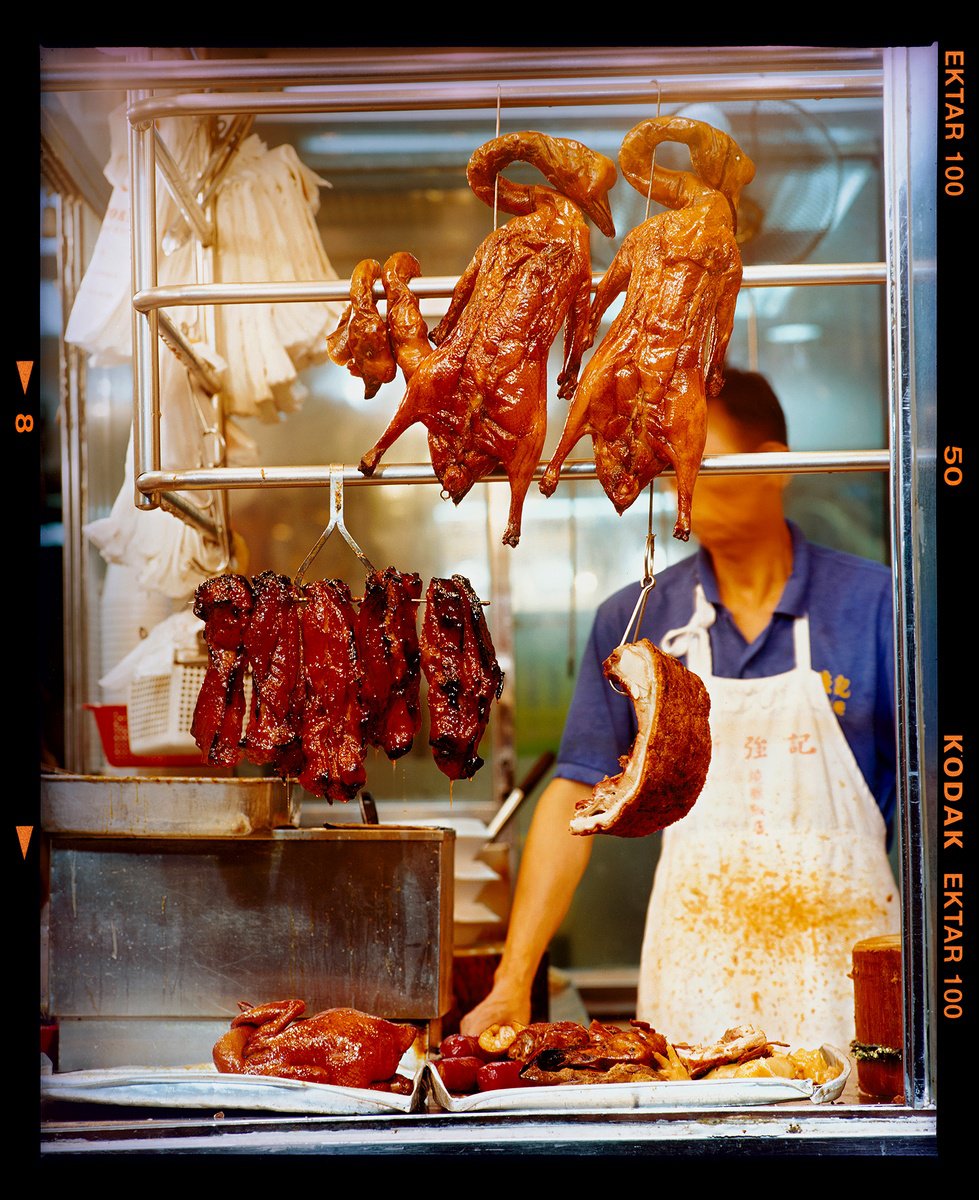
[
  {"x": 482, "y": 392},
  {"x": 643, "y": 394}
]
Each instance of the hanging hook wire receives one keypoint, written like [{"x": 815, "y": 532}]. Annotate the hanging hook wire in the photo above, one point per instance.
[
  {"x": 336, "y": 522},
  {"x": 648, "y": 583},
  {"x": 496, "y": 177},
  {"x": 652, "y": 161}
]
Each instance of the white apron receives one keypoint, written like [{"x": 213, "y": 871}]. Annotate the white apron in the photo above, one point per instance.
[{"x": 763, "y": 888}]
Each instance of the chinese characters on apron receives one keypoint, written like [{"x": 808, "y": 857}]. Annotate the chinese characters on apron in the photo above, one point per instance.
[{"x": 779, "y": 868}]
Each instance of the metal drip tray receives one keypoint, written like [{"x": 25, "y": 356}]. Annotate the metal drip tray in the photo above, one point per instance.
[{"x": 140, "y": 806}]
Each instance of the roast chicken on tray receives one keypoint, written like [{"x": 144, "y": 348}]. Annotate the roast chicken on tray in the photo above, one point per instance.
[{"x": 341, "y": 1047}]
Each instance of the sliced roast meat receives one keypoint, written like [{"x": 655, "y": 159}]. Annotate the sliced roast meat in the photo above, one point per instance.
[
  {"x": 224, "y": 604},
  {"x": 459, "y": 662},
  {"x": 332, "y": 735},
  {"x": 274, "y": 650},
  {"x": 387, "y": 644}
]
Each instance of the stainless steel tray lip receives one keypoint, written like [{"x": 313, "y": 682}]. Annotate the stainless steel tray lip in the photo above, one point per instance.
[
  {"x": 682, "y": 1094},
  {"x": 165, "y": 806},
  {"x": 397, "y": 833},
  {"x": 204, "y": 1087},
  {"x": 227, "y": 782}
]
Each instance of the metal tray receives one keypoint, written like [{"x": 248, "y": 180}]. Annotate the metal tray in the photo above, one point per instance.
[
  {"x": 680, "y": 1094},
  {"x": 204, "y": 1087},
  {"x": 134, "y": 806}
]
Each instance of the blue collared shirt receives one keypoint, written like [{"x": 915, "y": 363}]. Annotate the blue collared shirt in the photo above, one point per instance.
[{"x": 849, "y": 603}]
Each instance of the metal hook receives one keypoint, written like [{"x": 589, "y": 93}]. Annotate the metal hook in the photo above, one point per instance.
[
  {"x": 336, "y": 522},
  {"x": 496, "y": 178},
  {"x": 652, "y": 161},
  {"x": 648, "y": 583}
]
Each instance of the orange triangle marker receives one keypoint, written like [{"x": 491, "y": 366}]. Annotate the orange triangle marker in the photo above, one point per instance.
[
  {"x": 24, "y": 836},
  {"x": 24, "y": 371}
]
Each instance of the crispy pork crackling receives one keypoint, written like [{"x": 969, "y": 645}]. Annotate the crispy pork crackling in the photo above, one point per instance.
[{"x": 664, "y": 773}]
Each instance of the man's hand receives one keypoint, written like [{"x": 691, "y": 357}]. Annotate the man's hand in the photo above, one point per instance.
[{"x": 501, "y": 1007}]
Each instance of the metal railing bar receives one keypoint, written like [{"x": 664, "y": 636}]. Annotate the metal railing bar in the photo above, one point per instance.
[
  {"x": 374, "y": 97},
  {"x": 427, "y": 287},
  {"x": 210, "y": 478}
]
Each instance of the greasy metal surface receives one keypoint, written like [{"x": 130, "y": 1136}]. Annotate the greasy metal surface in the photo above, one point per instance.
[
  {"x": 187, "y": 927},
  {"x": 779, "y": 1130},
  {"x": 140, "y": 805},
  {"x": 911, "y": 198}
]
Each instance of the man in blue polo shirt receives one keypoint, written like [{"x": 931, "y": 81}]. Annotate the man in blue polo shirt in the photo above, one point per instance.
[{"x": 780, "y": 867}]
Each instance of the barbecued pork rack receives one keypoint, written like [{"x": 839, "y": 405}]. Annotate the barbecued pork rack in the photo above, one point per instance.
[{"x": 331, "y": 678}]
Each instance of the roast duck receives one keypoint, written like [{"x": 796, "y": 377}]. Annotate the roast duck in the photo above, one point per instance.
[
  {"x": 664, "y": 772},
  {"x": 340, "y": 1046},
  {"x": 559, "y": 1053},
  {"x": 643, "y": 393},
  {"x": 482, "y": 391},
  {"x": 331, "y": 677}
]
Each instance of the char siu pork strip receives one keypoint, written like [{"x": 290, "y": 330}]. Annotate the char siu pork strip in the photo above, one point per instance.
[
  {"x": 332, "y": 720},
  {"x": 224, "y": 604},
  {"x": 274, "y": 650},
  {"x": 387, "y": 644},
  {"x": 463, "y": 675}
]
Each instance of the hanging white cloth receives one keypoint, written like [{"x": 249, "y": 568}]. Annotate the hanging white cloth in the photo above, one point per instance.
[
  {"x": 779, "y": 868},
  {"x": 265, "y": 210}
]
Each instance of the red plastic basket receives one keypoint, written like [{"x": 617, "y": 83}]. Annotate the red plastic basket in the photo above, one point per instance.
[{"x": 113, "y": 726}]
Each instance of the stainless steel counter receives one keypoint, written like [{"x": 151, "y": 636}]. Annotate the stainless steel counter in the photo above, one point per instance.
[{"x": 785, "y": 1129}]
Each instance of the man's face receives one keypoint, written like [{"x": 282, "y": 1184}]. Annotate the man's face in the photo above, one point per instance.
[{"x": 728, "y": 509}]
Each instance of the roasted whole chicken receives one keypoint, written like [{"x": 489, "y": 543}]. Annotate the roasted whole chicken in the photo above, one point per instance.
[
  {"x": 665, "y": 771},
  {"x": 643, "y": 394},
  {"x": 360, "y": 342},
  {"x": 482, "y": 394},
  {"x": 224, "y": 604},
  {"x": 459, "y": 662},
  {"x": 340, "y": 1046}
]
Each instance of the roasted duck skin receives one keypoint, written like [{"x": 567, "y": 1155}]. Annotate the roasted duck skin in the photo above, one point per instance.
[
  {"x": 333, "y": 744},
  {"x": 340, "y": 1046},
  {"x": 274, "y": 650},
  {"x": 665, "y": 771},
  {"x": 643, "y": 394},
  {"x": 387, "y": 646},
  {"x": 546, "y": 1035},
  {"x": 360, "y": 342},
  {"x": 737, "y": 1045},
  {"x": 407, "y": 329},
  {"x": 224, "y": 604},
  {"x": 459, "y": 662},
  {"x": 482, "y": 394}
]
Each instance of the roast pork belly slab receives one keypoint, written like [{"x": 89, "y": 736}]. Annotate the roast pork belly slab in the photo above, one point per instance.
[{"x": 664, "y": 773}]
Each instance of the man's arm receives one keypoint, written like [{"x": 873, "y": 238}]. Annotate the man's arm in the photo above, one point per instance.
[{"x": 552, "y": 865}]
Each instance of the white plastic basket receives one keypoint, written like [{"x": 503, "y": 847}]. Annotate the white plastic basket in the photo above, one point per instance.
[{"x": 161, "y": 709}]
